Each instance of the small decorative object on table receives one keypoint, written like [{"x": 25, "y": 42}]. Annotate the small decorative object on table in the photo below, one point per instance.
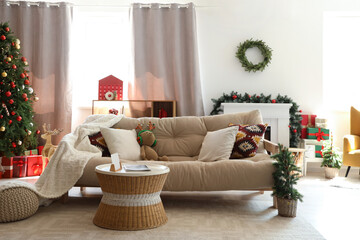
[
  {"x": 331, "y": 160},
  {"x": 285, "y": 177},
  {"x": 113, "y": 111},
  {"x": 131, "y": 200}
]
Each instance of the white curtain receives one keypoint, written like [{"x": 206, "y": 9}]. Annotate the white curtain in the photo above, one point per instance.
[
  {"x": 166, "y": 63},
  {"x": 44, "y": 32}
]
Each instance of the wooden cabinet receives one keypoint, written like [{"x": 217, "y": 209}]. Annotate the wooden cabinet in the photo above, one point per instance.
[{"x": 136, "y": 108}]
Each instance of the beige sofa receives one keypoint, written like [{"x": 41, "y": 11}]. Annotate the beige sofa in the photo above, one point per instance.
[{"x": 181, "y": 138}]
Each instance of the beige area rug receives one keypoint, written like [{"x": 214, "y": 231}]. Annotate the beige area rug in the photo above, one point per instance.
[
  {"x": 342, "y": 182},
  {"x": 232, "y": 215}
]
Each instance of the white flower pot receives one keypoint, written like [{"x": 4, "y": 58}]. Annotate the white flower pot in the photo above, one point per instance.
[{"x": 331, "y": 173}]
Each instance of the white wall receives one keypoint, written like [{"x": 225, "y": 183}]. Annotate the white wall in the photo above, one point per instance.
[{"x": 292, "y": 28}]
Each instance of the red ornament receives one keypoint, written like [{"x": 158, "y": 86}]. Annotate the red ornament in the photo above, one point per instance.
[
  {"x": 38, "y": 131},
  {"x": 273, "y": 101},
  {"x": 12, "y": 84},
  {"x": 11, "y": 56},
  {"x": 18, "y": 118},
  {"x": 12, "y": 44},
  {"x": 2, "y": 37},
  {"x": 22, "y": 75},
  {"x": 294, "y": 130},
  {"x": 13, "y": 66},
  {"x": 13, "y": 144},
  {"x": 257, "y": 96},
  {"x": 1, "y": 83},
  {"x": 23, "y": 59},
  {"x": 26, "y": 99},
  {"x": 234, "y": 97},
  {"x": 300, "y": 110},
  {"x": 249, "y": 95},
  {"x": 13, "y": 113},
  {"x": 11, "y": 101},
  {"x": 289, "y": 126},
  {"x": 1, "y": 116},
  {"x": 8, "y": 93},
  {"x": 7, "y": 29},
  {"x": 26, "y": 82},
  {"x": 10, "y": 122}
]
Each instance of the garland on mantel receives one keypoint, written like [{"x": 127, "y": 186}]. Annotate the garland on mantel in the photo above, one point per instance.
[{"x": 295, "y": 117}]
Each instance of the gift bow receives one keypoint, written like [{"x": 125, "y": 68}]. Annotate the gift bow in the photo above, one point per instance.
[
  {"x": 319, "y": 135},
  {"x": 37, "y": 169}
]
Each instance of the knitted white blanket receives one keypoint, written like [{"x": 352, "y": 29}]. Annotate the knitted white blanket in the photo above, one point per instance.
[{"x": 68, "y": 162}]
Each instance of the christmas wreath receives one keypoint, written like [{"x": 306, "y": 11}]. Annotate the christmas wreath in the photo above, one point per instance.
[
  {"x": 295, "y": 117},
  {"x": 249, "y": 66}
]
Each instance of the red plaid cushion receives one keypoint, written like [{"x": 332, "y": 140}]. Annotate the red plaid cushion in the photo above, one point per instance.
[{"x": 247, "y": 140}]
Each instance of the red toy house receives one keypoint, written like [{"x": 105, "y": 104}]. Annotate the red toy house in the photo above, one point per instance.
[{"x": 111, "y": 84}]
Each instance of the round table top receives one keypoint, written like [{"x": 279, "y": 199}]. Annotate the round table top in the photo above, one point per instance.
[{"x": 154, "y": 170}]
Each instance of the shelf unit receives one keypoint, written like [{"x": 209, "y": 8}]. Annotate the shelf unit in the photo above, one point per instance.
[
  {"x": 304, "y": 143},
  {"x": 136, "y": 108}
]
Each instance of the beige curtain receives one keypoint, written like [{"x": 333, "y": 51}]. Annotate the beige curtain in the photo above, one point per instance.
[
  {"x": 166, "y": 64},
  {"x": 44, "y": 32}
]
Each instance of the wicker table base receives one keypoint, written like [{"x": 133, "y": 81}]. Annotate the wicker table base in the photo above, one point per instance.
[{"x": 131, "y": 202}]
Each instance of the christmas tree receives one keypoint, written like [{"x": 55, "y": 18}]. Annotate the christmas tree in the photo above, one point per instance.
[{"x": 17, "y": 127}]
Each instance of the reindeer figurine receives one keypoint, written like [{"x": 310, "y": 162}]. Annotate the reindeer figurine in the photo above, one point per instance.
[{"x": 49, "y": 149}]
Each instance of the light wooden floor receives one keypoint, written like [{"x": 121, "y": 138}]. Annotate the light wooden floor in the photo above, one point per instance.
[{"x": 333, "y": 211}]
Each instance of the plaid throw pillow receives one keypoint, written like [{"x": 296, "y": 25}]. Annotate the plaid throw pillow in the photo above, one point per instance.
[
  {"x": 98, "y": 140},
  {"x": 247, "y": 140}
]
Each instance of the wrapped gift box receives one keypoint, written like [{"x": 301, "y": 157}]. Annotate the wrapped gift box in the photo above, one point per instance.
[
  {"x": 19, "y": 166},
  {"x": 309, "y": 151},
  {"x": 35, "y": 165},
  {"x": 318, "y": 152},
  {"x": 6, "y": 167},
  {"x": 308, "y": 121},
  {"x": 321, "y": 123},
  {"x": 318, "y": 133},
  {"x": 40, "y": 148},
  {"x": 31, "y": 152}
]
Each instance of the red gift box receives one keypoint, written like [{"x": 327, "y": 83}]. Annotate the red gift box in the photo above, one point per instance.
[
  {"x": 308, "y": 120},
  {"x": 40, "y": 148},
  {"x": 6, "y": 167},
  {"x": 20, "y": 166},
  {"x": 35, "y": 165}
]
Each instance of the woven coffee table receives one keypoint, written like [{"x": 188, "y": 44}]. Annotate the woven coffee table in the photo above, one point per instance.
[{"x": 131, "y": 200}]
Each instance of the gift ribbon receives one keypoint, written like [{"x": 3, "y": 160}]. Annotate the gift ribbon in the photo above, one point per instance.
[
  {"x": 319, "y": 135},
  {"x": 20, "y": 164},
  {"x": 37, "y": 169}
]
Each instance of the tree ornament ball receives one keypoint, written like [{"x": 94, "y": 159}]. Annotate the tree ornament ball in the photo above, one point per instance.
[
  {"x": 2, "y": 129},
  {"x": 273, "y": 101},
  {"x": 17, "y": 41},
  {"x": 18, "y": 118},
  {"x": 38, "y": 131},
  {"x": 36, "y": 99},
  {"x": 26, "y": 63},
  {"x": 8, "y": 59},
  {"x": 289, "y": 126},
  {"x": 26, "y": 99},
  {"x": 19, "y": 142},
  {"x": 13, "y": 113},
  {"x": 294, "y": 130},
  {"x": 1, "y": 116},
  {"x": 12, "y": 44},
  {"x": 7, "y": 29},
  {"x": 11, "y": 101},
  {"x": 29, "y": 132},
  {"x": 2, "y": 37},
  {"x": 300, "y": 111},
  {"x": 1, "y": 83},
  {"x": 3, "y": 74},
  {"x": 10, "y": 122},
  {"x": 22, "y": 75},
  {"x": 13, "y": 66},
  {"x": 23, "y": 59},
  {"x": 31, "y": 90},
  {"x": 17, "y": 46},
  {"x": 8, "y": 93},
  {"x": 26, "y": 82},
  {"x": 13, "y": 144},
  {"x": 234, "y": 97},
  {"x": 31, "y": 124},
  {"x": 24, "y": 95}
]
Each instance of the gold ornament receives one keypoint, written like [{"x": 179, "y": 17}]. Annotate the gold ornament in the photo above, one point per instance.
[
  {"x": 29, "y": 132},
  {"x": 36, "y": 99},
  {"x": 17, "y": 41},
  {"x": 3, "y": 74},
  {"x": 17, "y": 46},
  {"x": 2, "y": 129},
  {"x": 26, "y": 63},
  {"x": 8, "y": 59}
]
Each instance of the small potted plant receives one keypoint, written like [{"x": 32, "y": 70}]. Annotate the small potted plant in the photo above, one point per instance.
[
  {"x": 331, "y": 160},
  {"x": 285, "y": 176}
]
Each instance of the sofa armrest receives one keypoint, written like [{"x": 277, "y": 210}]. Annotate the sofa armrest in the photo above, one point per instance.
[
  {"x": 271, "y": 147},
  {"x": 351, "y": 142}
]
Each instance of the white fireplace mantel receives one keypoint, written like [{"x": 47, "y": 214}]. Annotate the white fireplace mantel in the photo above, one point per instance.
[{"x": 275, "y": 114}]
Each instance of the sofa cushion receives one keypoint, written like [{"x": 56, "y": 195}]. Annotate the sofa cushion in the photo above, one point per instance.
[
  {"x": 247, "y": 140},
  {"x": 183, "y": 136},
  {"x": 123, "y": 142},
  {"x": 217, "y": 145},
  {"x": 98, "y": 140}
]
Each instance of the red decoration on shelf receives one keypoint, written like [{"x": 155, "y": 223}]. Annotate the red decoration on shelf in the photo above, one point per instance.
[
  {"x": 234, "y": 97},
  {"x": 113, "y": 111},
  {"x": 8, "y": 93},
  {"x": 2, "y": 37},
  {"x": 22, "y": 75},
  {"x": 273, "y": 101},
  {"x": 110, "y": 84}
]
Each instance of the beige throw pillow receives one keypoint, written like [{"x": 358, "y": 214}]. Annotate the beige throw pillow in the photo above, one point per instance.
[
  {"x": 123, "y": 142},
  {"x": 218, "y": 145}
]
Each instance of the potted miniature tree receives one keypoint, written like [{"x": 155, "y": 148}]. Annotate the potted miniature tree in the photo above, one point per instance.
[
  {"x": 331, "y": 160},
  {"x": 285, "y": 176}
]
